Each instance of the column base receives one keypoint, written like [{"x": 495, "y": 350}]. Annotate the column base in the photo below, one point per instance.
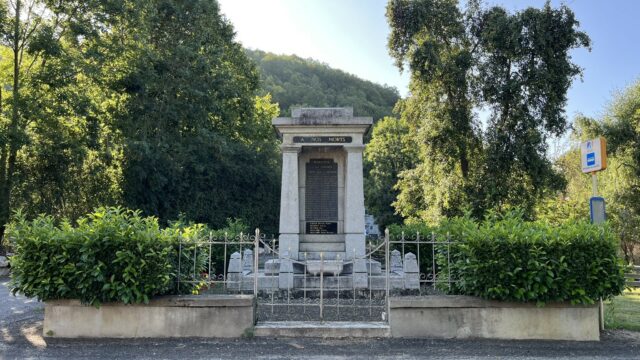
[
  {"x": 354, "y": 243},
  {"x": 289, "y": 243}
]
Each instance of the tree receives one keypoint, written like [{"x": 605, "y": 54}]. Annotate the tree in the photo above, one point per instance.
[
  {"x": 194, "y": 142},
  {"x": 524, "y": 72},
  {"x": 517, "y": 65},
  {"x": 389, "y": 152},
  {"x": 149, "y": 104},
  {"x": 48, "y": 123}
]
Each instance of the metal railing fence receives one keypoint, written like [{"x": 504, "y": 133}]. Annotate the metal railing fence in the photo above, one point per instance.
[{"x": 353, "y": 288}]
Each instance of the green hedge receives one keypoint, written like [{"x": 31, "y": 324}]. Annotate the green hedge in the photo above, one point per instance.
[
  {"x": 112, "y": 255},
  {"x": 509, "y": 259},
  {"x": 115, "y": 255}
]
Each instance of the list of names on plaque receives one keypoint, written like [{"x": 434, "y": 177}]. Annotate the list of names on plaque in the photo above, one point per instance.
[
  {"x": 321, "y": 227},
  {"x": 321, "y": 196}
]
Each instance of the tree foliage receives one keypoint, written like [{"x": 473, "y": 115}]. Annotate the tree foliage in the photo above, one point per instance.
[
  {"x": 149, "y": 104},
  {"x": 516, "y": 65},
  {"x": 50, "y": 118},
  {"x": 388, "y": 154},
  {"x": 194, "y": 141}
]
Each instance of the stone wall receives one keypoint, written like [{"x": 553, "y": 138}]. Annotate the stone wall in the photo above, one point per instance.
[
  {"x": 410, "y": 317},
  {"x": 469, "y": 317},
  {"x": 172, "y": 316}
]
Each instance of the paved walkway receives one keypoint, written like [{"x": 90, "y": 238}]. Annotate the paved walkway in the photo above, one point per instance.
[{"x": 21, "y": 330}]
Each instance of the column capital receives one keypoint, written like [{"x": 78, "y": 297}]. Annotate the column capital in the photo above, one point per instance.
[
  {"x": 353, "y": 148},
  {"x": 290, "y": 148}
]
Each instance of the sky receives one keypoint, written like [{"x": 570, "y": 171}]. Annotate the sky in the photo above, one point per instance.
[{"x": 351, "y": 35}]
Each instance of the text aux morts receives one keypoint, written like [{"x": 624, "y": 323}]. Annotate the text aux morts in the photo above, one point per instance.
[{"x": 322, "y": 139}]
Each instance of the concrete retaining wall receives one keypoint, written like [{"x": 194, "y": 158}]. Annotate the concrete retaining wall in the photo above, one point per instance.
[
  {"x": 171, "y": 316},
  {"x": 470, "y": 317}
]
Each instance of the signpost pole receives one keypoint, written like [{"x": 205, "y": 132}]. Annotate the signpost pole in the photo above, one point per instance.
[
  {"x": 594, "y": 187},
  {"x": 593, "y": 158},
  {"x": 594, "y": 184}
]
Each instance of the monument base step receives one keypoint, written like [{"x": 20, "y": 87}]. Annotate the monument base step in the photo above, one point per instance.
[
  {"x": 309, "y": 238},
  {"x": 328, "y": 329},
  {"x": 326, "y": 255},
  {"x": 321, "y": 247}
]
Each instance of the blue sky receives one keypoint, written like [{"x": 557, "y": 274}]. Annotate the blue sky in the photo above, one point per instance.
[{"x": 351, "y": 35}]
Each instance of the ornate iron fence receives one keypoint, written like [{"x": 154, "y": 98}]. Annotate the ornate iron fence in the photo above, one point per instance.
[
  {"x": 353, "y": 288},
  {"x": 433, "y": 254},
  {"x": 204, "y": 264}
]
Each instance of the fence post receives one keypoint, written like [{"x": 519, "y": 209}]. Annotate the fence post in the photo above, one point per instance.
[
  {"x": 255, "y": 263},
  {"x": 321, "y": 286},
  {"x": 388, "y": 265},
  {"x": 179, "y": 260},
  {"x": 209, "y": 280}
]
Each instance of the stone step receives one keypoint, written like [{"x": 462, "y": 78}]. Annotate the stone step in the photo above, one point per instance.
[
  {"x": 322, "y": 247},
  {"x": 327, "y": 329},
  {"x": 327, "y": 255},
  {"x": 322, "y": 238},
  {"x": 343, "y": 282}
]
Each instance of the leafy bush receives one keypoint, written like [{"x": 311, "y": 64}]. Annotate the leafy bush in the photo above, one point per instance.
[
  {"x": 509, "y": 259},
  {"x": 112, "y": 255}
]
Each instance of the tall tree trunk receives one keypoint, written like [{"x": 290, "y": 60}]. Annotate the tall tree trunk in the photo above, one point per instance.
[
  {"x": 4, "y": 153},
  {"x": 464, "y": 163},
  {"x": 5, "y": 210}
]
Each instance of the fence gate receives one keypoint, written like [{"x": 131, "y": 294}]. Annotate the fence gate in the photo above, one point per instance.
[{"x": 315, "y": 288}]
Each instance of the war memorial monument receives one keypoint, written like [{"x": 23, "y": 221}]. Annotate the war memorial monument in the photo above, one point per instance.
[
  {"x": 322, "y": 199},
  {"x": 322, "y": 214}
]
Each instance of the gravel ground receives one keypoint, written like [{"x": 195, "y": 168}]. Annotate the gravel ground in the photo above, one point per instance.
[{"x": 21, "y": 330}]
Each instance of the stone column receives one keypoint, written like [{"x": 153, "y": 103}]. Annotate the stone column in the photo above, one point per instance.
[
  {"x": 354, "y": 202},
  {"x": 289, "y": 202}
]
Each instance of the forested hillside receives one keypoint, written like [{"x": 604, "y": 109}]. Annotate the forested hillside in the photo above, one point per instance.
[{"x": 293, "y": 81}]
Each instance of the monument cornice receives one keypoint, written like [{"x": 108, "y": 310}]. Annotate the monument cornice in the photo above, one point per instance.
[
  {"x": 353, "y": 148},
  {"x": 312, "y": 121},
  {"x": 290, "y": 148}
]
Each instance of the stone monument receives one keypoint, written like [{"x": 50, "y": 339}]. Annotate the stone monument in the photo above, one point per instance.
[
  {"x": 322, "y": 199},
  {"x": 322, "y": 219}
]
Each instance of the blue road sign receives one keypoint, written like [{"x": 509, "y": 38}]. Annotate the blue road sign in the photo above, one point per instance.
[{"x": 591, "y": 159}]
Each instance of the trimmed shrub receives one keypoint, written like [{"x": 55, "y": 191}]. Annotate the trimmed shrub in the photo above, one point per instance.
[
  {"x": 509, "y": 259},
  {"x": 112, "y": 255}
]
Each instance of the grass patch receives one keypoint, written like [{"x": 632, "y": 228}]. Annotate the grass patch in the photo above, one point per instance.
[{"x": 623, "y": 312}]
